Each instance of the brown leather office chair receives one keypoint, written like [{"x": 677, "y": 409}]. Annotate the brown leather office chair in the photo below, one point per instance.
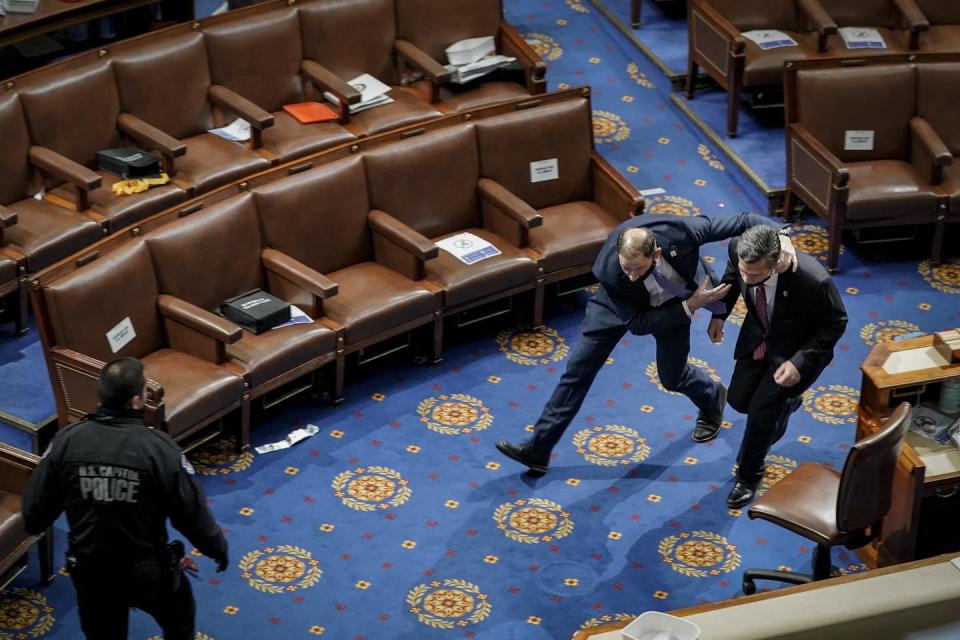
[
  {"x": 834, "y": 508},
  {"x": 15, "y": 468}
]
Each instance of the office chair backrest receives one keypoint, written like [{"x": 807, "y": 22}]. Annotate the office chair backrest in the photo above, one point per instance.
[{"x": 867, "y": 480}]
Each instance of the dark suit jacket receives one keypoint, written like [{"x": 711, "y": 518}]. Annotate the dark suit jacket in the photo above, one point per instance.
[
  {"x": 680, "y": 238},
  {"x": 808, "y": 317}
]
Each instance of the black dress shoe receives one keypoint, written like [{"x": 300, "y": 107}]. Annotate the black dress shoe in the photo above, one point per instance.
[
  {"x": 525, "y": 455},
  {"x": 742, "y": 494},
  {"x": 708, "y": 425}
]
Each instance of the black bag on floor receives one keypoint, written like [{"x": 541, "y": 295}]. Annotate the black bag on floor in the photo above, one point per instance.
[{"x": 256, "y": 311}]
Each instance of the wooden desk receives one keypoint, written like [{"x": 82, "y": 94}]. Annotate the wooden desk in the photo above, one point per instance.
[
  {"x": 57, "y": 14},
  {"x": 926, "y": 486},
  {"x": 883, "y": 604}
]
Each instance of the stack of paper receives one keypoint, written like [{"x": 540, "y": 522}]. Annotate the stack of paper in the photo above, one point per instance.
[
  {"x": 461, "y": 74},
  {"x": 292, "y": 438},
  {"x": 373, "y": 93}
]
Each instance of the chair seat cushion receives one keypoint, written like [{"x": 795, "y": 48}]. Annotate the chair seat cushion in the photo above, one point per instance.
[
  {"x": 571, "y": 234},
  {"x": 289, "y": 139},
  {"x": 804, "y": 502},
  {"x": 888, "y": 189},
  {"x": 463, "y": 283},
  {"x": 8, "y": 269},
  {"x": 123, "y": 211},
  {"x": 373, "y": 300},
  {"x": 407, "y": 108},
  {"x": 941, "y": 38},
  {"x": 273, "y": 353},
  {"x": 193, "y": 389},
  {"x": 12, "y": 533},
  {"x": 764, "y": 67},
  {"x": 212, "y": 161},
  {"x": 46, "y": 232}
]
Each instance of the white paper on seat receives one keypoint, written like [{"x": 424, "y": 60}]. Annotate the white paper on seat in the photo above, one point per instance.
[
  {"x": 297, "y": 316},
  {"x": 121, "y": 335},
  {"x": 468, "y": 248},
  {"x": 769, "y": 38},
  {"x": 236, "y": 131},
  {"x": 862, "y": 38}
]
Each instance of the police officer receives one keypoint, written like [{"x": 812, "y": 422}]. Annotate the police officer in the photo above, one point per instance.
[{"x": 119, "y": 481}]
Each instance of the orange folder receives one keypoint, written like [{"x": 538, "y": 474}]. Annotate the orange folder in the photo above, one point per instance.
[{"x": 310, "y": 112}]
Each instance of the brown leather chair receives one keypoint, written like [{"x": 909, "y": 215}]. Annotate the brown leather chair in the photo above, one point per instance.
[
  {"x": 833, "y": 508},
  {"x": 580, "y": 207},
  {"x": 343, "y": 39},
  {"x": 378, "y": 269},
  {"x": 892, "y": 183},
  {"x": 236, "y": 44},
  {"x": 77, "y": 133},
  {"x": 168, "y": 102},
  {"x": 900, "y": 22},
  {"x": 430, "y": 26},
  {"x": 15, "y": 469},
  {"x": 938, "y": 90},
  {"x": 13, "y": 293},
  {"x": 944, "y": 32},
  {"x": 182, "y": 349},
  {"x": 432, "y": 184},
  {"x": 716, "y": 43},
  {"x": 45, "y": 231},
  {"x": 218, "y": 254}
]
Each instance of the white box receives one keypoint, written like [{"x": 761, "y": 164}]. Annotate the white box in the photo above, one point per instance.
[
  {"x": 652, "y": 624},
  {"x": 470, "y": 50},
  {"x": 22, "y": 6}
]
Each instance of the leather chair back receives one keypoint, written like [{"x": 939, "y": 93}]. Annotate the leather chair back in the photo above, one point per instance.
[
  {"x": 164, "y": 81},
  {"x": 866, "y": 484},
  {"x": 74, "y": 110},
  {"x": 862, "y": 13},
  {"x": 210, "y": 256},
  {"x": 86, "y": 304},
  {"x": 258, "y": 56},
  {"x": 940, "y": 11},
  {"x": 561, "y": 131},
  {"x": 14, "y": 165},
  {"x": 747, "y": 15},
  {"x": 938, "y": 93},
  {"x": 831, "y": 102},
  {"x": 318, "y": 217},
  {"x": 428, "y": 182},
  {"x": 433, "y": 25},
  {"x": 350, "y": 37}
]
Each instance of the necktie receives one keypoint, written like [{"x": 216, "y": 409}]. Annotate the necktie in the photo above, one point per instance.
[{"x": 761, "y": 302}]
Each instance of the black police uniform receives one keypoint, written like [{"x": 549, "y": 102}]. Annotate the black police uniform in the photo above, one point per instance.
[{"x": 119, "y": 481}]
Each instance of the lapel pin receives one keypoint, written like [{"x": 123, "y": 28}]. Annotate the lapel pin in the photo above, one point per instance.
[
  {"x": 786, "y": 293},
  {"x": 673, "y": 253}
]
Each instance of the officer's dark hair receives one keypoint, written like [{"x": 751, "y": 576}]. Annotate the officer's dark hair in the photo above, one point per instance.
[
  {"x": 760, "y": 242},
  {"x": 120, "y": 381},
  {"x": 632, "y": 243}
]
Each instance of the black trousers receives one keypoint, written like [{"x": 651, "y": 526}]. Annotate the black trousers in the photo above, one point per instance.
[
  {"x": 768, "y": 407},
  {"x": 105, "y": 593}
]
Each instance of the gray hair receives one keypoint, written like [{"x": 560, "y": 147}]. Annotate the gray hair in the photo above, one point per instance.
[
  {"x": 632, "y": 243},
  {"x": 759, "y": 243}
]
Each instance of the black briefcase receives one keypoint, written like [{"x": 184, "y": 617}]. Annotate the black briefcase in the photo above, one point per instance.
[
  {"x": 256, "y": 311},
  {"x": 129, "y": 162}
]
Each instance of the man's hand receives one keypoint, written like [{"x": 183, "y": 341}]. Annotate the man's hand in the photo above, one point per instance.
[
  {"x": 715, "y": 330},
  {"x": 786, "y": 374},
  {"x": 704, "y": 295},
  {"x": 788, "y": 255},
  {"x": 189, "y": 565}
]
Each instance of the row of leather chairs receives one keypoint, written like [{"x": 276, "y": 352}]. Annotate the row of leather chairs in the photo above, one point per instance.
[
  {"x": 164, "y": 90},
  {"x": 718, "y": 47},
  {"x": 350, "y": 238},
  {"x": 871, "y": 142}
]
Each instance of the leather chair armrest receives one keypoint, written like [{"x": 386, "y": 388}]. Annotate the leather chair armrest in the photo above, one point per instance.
[
  {"x": 64, "y": 168},
  {"x": 912, "y": 14},
  {"x": 806, "y": 138},
  {"x": 816, "y": 172},
  {"x": 612, "y": 191},
  {"x": 16, "y": 465},
  {"x": 928, "y": 153},
  {"x": 399, "y": 247},
  {"x": 326, "y": 80},
  {"x": 200, "y": 320},
  {"x": 495, "y": 194},
  {"x": 720, "y": 25},
  {"x": 8, "y": 218},
  {"x": 420, "y": 61},
  {"x": 151, "y": 137},
  {"x": 821, "y": 20},
  {"x": 239, "y": 106},
  {"x": 513, "y": 44},
  {"x": 292, "y": 281}
]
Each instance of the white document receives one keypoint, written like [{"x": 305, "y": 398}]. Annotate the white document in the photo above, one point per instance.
[
  {"x": 373, "y": 93},
  {"x": 652, "y": 192},
  {"x": 297, "y": 316},
  {"x": 237, "y": 131},
  {"x": 769, "y": 38},
  {"x": 292, "y": 438},
  {"x": 862, "y": 38},
  {"x": 121, "y": 335},
  {"x": 462, "y": 74},
  {"x": 468, "y": 248},
  {"x": 858, "y": 140},
  {"x": 544, "y": 170},
  {"x": 470, "y": 50}
]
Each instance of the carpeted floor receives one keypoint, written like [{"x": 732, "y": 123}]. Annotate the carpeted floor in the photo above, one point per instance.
[{"x": 400, "y": 520}]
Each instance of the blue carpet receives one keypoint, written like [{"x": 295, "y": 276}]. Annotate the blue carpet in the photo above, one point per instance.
[
  {"x": 664, "y": 36},
  {"x": 400, "y": 520},
  {"x": 25, "y": 389}
]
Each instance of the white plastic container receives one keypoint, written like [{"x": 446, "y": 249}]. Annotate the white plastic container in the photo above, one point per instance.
[
  {"x": 22, "y": 6},
  {"x": 470, "y": 50},
  {"x": 652, "y": 624}
]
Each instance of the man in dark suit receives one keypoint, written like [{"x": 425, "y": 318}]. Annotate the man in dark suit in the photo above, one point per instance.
[
  {"x": 652, "y": 279},
  {"x": 793, "y": 321}
]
